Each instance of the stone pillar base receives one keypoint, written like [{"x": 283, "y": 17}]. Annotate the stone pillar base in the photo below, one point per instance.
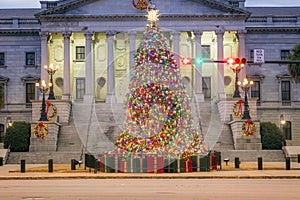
[
  {"x": 88, "y": 99},
  {"x": 221, "y": 96},
  {"x": 49, "y": 143},
  {"x": 110, "y": 98},
  {"x": 242, "y": 142},
  {"x": 199, "y": 97}
]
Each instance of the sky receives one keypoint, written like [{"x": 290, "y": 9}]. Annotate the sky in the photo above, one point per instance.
[{"x": 261, "y": 3}]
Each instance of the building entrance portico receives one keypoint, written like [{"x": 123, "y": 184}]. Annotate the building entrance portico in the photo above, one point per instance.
[{"x": 96, "y": 50}]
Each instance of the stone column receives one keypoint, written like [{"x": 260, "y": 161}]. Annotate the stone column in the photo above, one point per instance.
[
  {"x": 242, "y": 51},
  {"x": 66, "y": 91},
  {"x": 176, "y": 36},
  {"x": 220, "y": 91},
  {"x": 44, "y": 56},
  {"x": 198, "y": 67},
  {"x": 88, "y": 97},
  {"x": 132, "y": 39},
  {"x": 110, "y": 97}
]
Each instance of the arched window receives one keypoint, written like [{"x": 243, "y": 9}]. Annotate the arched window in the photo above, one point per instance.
[{"x": 287, "y": 130}]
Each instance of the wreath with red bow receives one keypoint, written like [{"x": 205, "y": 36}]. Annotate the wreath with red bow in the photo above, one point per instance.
[
  {"x": 238, "y": 108},
  {"x": 141, "y": 4},
  {"x": 248, "y": 128},
  {"x": 40, "y": 130},
  {"x": 51, "y": 110}
]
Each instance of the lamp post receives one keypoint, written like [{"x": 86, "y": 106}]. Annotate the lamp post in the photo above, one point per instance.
[
  {"x": 43, "y": 88},
  {"x": 236, "y": 65},
  {"x": 245, "y": 85},
  {"x": 51, "y": 71}
]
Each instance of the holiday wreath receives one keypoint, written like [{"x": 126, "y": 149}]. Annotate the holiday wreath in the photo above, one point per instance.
[
  {"x": 40, "y": 130},
  {"x": 248, "y": 128}
]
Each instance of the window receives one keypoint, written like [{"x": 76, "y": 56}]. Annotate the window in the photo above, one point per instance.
[
  {"x": 287, "y": 130},
  {"x": 234, "y": 3},
  {"x": 2, "y": 94},
  {"x": 205, "y": 51},
  {"x": 30, "y": 58},
  {"x": 255, "y": 90},
  {"x": 1, "y": 133},
  {"x": 284, "y": 54},
  {"x": 251, "y": 54},
  {"x": 80, "y": 88},
  {"x": 30, "y": 92},
  {"x": 285, "y": 90},
  {"x": 80, "y": 53},
  {"x": 2, "y": 59}
]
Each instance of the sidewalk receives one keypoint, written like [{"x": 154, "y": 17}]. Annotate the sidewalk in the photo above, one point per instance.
[{"x": 8, "y": 172}]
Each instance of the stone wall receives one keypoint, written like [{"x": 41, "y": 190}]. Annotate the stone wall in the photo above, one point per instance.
[
  {"x": 49, "y": 143},
  {"x": 63, "y": 110}
]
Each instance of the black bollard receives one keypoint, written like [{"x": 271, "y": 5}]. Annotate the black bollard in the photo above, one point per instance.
[
  {"x": 50, "y": 165},
  {"x": 73, "y": 164},
  {"x": 237, "y": 162},
  {"x": 298, "y": 158},
  {"x": 260, "y": 163},
  {"x": 22, "y": 166},
  {"x": 288, "y": 163},
  {"x": 1, "y": 161}
]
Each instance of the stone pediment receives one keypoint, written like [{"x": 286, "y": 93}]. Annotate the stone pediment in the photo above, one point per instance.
[{"x": 167, "y": 8}]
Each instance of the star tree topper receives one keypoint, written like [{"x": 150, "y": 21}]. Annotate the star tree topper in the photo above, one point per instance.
[{"x": 152, "y": 14}]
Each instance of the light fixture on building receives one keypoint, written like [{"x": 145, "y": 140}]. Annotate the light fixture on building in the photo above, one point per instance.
[
  {"x": 51, "y": 71},
  {"x": 9, "y": 122},
  {"x": 245, "y": 85},
  {"x": 43, "y": 88},
  {"x": 236, "y": 65},
  {"x": 282, "y": 120}
]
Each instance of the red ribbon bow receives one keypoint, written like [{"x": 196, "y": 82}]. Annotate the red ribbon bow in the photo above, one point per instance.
[
  {"x": 249, "y": 129},
  {"x": 240, "y": 110}
]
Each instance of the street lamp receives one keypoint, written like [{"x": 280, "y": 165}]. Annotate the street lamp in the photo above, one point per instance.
[
  {"x": 245, "y": 85},
  {"x": 282, "y": 120},
  {"x": 43, "y": 88},
  {"x": 236, "y": 65},
  {"x": 51, "y": 71}
]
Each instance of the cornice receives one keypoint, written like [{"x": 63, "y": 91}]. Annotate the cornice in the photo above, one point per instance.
[
  {"x": 64, "y": 7},
  {"x": 224, "y": 7},
  {"x": 20, "y": 32},
  {"x": 272, "y": 29},
  {"x": 77, "y": 3},
  {"x": 169, "y": 17}
]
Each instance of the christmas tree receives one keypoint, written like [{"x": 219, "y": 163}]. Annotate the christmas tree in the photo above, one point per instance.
[{"x": 158, "y": 112}]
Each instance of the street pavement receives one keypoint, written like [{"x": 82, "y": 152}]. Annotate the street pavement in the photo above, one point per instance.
[{"x": 12, "y": 171}]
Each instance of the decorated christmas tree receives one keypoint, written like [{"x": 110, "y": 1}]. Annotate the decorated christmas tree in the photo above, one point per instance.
[{"x": 158, "y": 113}]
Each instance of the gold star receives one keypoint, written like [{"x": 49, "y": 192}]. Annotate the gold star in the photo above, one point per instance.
[{"x": 152, "y": 15}]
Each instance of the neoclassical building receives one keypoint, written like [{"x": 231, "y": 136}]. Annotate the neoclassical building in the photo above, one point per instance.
[{"x": 93, "y": 43}]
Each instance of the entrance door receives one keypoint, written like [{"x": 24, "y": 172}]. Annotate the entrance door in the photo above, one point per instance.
[
  {"x": 206, "y": 87},
  {"x": 80, "y": 88}
]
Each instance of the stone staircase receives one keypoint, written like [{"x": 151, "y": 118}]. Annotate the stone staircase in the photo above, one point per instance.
[
  {"x": 95, "y": 131},
  {"x": 217, "y": 134},
  {"x": 225, "y": 141},
  {"x": 68, "y": 138}
]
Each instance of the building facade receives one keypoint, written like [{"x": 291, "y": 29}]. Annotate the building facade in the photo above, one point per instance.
[{"x": 93, "y": 42}]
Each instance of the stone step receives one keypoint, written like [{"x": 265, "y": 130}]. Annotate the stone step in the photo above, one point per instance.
[
  {"x": 43, "y": 157},
  {"x": 68, "y": 139},
  {"x": 253, "y": 155}
]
